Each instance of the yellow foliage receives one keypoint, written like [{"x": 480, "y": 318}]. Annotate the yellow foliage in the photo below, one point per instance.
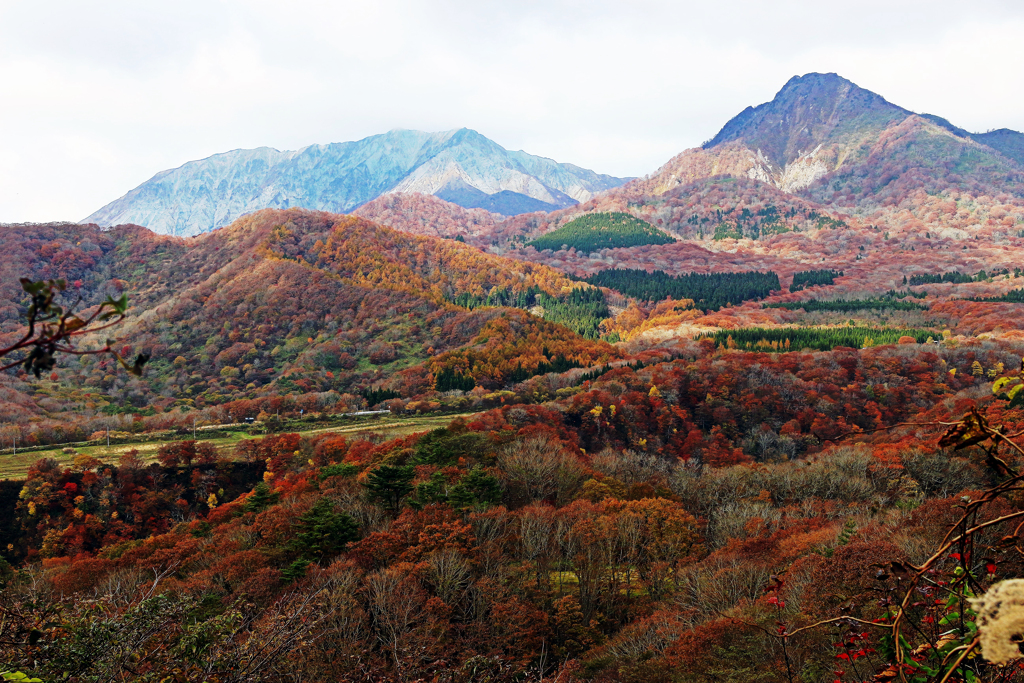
[{"x": 635, "y": 320}]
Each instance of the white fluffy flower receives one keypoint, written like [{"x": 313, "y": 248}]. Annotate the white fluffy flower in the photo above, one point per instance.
[{"x": 1001, "y": 621}]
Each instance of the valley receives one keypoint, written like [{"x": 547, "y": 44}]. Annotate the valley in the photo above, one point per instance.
[{"x": 755, "y": 416}]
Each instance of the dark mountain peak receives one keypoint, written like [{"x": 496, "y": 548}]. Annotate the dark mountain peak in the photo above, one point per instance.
[{"x": 809, "y": 110}]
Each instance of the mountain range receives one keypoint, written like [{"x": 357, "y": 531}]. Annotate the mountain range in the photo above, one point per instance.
[
  {"x": 822, "y": 138},
  {"x": 460, "y": 166}
]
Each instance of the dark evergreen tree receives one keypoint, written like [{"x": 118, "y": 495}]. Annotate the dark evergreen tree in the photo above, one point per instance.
[
  {"x": 1014, "y": 296},
  {"x": 376, "y": 396},
  {"x": 709, "y": 291},
  {"x": 843, "y": 305},
  {"x": 323, "y": 532},
  {"x": 450, "y": 379},
  {"x": 581, "y": 310},
  {"x": 434, "y": 490},
  {"x": 819, "y": 338},
  {"x": 955, "y": 277},
  {"x": 262, "y": 498},
  {"x": 477, "y": 488},
  {"x": 445, "y": 445},
  {"x": 389, "y": 484},
  {"x": 811, "y": 278}
]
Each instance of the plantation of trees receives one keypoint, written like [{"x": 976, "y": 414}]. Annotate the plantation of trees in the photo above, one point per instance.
[
  {"x": 811, "y": 278},
  {"x": 709, "y": 291},
  {"x": 594, "y": 231},
  {"x": 849, "y": 305},
  {"x": 581, "y": 310},
  {"x": 822, "y": 339},
  {"x": 764, "y": 222},
  {"x": 955, "y": 276},
  {"x": 1014, "y": 296}
]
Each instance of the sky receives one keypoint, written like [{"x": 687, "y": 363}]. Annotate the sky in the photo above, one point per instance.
[{"x": 97, "y": 97}]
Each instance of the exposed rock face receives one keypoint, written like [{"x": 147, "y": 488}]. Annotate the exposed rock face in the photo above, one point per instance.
[
  {"x": 822, "y": 126},
  {"x": 810, "y": 111},
  {"x": 202, "y": 195},
  {"x": 800, "y": 173}
]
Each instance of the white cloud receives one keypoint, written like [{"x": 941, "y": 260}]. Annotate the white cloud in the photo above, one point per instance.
[{"x": 100, "y": 96}]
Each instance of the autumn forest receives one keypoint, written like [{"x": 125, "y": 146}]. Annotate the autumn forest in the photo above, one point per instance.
[{"x": 704, "y": 426}]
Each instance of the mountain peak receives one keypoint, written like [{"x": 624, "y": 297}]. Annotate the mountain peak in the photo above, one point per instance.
[
  {"x": 816, "y": 79},
  {"x": 809, "y": 110},
  {"x": 460, "y": 164}
]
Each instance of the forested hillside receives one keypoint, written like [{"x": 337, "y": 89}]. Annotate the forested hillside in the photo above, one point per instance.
[
  {"x": 280, "y": 303},
  {"x": 695, "y": 502},
  {"x": 424, "y": 214}
]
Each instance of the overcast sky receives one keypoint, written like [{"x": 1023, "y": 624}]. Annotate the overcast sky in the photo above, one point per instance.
[{"x": 96, "y": 97}]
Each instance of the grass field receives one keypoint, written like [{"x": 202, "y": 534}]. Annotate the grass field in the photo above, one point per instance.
[{"x": 15, "y": 466}]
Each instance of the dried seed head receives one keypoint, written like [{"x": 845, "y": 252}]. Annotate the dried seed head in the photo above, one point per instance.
[{"x": 1001, "y": 621}]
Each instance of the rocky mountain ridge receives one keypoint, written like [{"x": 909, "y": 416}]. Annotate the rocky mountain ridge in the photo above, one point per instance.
[
  {"x": 821, "y": 135},
  {"x": 460, "y": 165}
]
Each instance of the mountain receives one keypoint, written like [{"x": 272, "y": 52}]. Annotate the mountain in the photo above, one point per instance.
[
  {"x": 819, "y": 125},
  {"x": 460, "y": 166},
  {"x": 813, "y": 124}
]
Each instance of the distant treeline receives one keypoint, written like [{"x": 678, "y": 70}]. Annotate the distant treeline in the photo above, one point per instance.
[
  {"x": 448, "y": 379},
  {"x": 1014, "y": 296},
  {"x": 818, "y": 338},
  {"x": 598, "y": 372},
  {"x": 709, "y": 291},
  {"x": 582, "y": 310},
  {"x": 558, "y": 364},
  {"x": 810, "y": 278},
  {"x": 375, "y": 396},
  {"x": 594, "y": 231},
  {"x": 883, "y": 303},
  {"x": 955, "y": 277}
]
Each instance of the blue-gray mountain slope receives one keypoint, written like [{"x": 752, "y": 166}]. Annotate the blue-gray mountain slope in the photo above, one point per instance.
[{"x": 460, "y": 166}]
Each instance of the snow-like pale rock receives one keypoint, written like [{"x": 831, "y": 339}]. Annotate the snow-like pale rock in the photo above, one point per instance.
[
  {"x": 798, "y": 174},
  {"x": 206, "y": 194}
]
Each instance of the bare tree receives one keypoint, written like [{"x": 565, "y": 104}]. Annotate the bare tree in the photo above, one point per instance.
[{"x": 540, "y": 467}]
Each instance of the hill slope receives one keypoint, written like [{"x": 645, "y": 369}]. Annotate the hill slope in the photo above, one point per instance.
[
  {"x": 594, "y": 231},
  {"x": 424, "y": 214},
  {"x": 278, "y": 302},
  {"x": 460, "y": 165}
]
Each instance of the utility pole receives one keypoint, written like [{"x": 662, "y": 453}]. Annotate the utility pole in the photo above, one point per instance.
[{"x": 193, "y": 427}]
